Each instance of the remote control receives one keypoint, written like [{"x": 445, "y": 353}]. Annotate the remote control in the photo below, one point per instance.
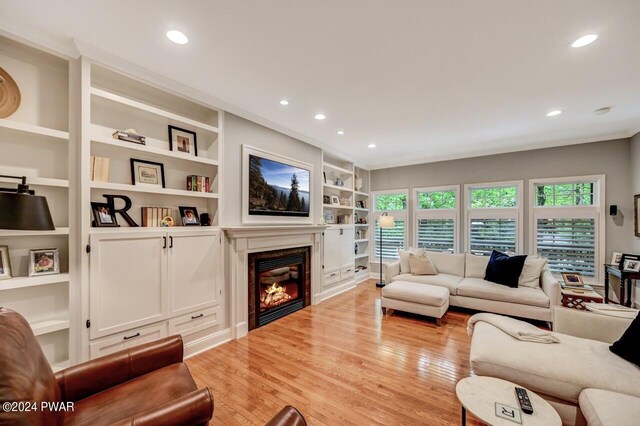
[{"x": 523, "y": 399}]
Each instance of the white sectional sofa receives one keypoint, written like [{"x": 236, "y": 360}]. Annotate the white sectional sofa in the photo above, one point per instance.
[{"x": 463, "y": 275}]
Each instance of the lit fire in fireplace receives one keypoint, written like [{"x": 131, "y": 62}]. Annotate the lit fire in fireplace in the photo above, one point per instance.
[{"x": 273, "y": 296}]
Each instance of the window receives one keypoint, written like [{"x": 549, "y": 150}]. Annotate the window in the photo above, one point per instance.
[
  {"x": 395, "y": 204},
  {"x": 566, "y": 229},
  {"x": 436, "y": 218},
  {"x": 493, "y": 217}
]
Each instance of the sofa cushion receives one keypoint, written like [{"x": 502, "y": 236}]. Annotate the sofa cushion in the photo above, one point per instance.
[
  {"x": 560, "y": 370},
  {"x": 448, "y": 281},
  {"x": 530, "y": 276},
  {"x": 447, "y": 263},
  {"x": 606, "y": 408},
  {"x": 482, "y": 289},
  {"x": 410, "y": 292},
  {"x": 504, "y": 269},
  {"x": 627, "y": 347},
  {"x": 421, "y": 265},
  {"x": 475, "y": 266},
  {"x": 405, "y": 267}
]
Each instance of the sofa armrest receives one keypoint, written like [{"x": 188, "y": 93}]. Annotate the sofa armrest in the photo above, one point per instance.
[
  {"x": 91, "y": 377},
  {"x": 288, "y": 416},
  {"x": 391, "y": 270},
  {"x": 589, "y": 325},
  {"x": 194, "y": 408},
  {"x": 551, "y": 287}
]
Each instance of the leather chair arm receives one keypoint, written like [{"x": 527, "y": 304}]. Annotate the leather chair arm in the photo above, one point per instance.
[
  {"x": 194, "y": 408},
  {"x": 91, "y": 377},
  {"x": 288, "y": 416}
]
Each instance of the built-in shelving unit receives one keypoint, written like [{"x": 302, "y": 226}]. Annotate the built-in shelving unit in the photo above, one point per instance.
[
  {"x": 362, "y": 178},
  {"x": 34, "y": 142}
]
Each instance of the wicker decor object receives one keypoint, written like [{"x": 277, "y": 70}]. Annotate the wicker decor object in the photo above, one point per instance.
[{"x": 9, "y": 94}]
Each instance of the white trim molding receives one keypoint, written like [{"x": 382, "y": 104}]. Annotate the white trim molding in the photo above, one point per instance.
[{"x": 453, "y": 213}]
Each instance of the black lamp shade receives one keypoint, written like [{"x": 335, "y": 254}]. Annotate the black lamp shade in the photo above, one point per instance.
[{"x": 25, "y": 212}]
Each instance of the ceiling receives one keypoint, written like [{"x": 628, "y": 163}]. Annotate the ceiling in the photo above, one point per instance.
[{"x": 423, "y": 80}]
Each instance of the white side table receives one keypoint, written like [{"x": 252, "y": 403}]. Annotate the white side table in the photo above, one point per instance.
[{"x": 479, "y": 394}]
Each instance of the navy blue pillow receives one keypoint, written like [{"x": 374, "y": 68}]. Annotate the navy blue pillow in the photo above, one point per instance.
[
  {"x": 504, "y": 269},
  {"x": 627, "y": 346}
]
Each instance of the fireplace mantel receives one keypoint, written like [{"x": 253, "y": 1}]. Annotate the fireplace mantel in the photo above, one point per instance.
[{"x": 243, "y": 240}]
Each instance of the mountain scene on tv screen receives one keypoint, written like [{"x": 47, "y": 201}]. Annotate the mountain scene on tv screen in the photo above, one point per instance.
[{"x": 277, "y": 189}]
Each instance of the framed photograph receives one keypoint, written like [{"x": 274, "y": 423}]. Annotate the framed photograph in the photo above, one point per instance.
[
  {"x": 616, "y": 258},
  {"x": 636, "y": 219},
  {"x": 335, "y": 200},
  {"x": 329, "y": 218},
  {"x": 103, "y": 216},
  {"x": 630, "y": 263},
  {"x": 573, "y": 278},
  {"x": 326, "y": 199},
  {"x": 44, "y": 262},
  {"x": 5, "y": 263},
  {"x": 275, "y": 189},
  {"x": 189, "y": 216},
  {"x": 183, "y": 140},
  {"x": 148, "y": 173}
]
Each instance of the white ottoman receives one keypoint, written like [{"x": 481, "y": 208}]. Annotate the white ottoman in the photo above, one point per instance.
[{"x": 421, "y": 299}]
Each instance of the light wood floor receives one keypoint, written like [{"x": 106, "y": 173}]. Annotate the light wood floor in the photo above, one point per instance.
[{"x": 341, "y": 363}]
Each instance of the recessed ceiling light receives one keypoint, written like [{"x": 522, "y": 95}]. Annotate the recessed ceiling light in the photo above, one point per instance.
[
  {"x": 554, "y": 113},
  {"x": 284, "y": 102},
  {"x": 603, "y": 110},
  {"x": 371, "y": 145},
  {"x": 340, "y": 132},
  {"x": 320, "y": 116},
  {"x": 585, "y": 40},
  {"x": 177, "y": 37}
]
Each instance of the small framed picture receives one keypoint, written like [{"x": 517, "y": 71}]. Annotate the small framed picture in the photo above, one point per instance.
[
  {"x": 616, "y": 258},
  {"x": 329, "y": 217},
  {"x": 189, "y": 216},
  {"x": 183, "y": 140},
  {"x": 326, "y": 199},
  {"x": 145, "y": 172},
  {"x": 103, "y": 216},
  {"x": 572, "y": 278},
  {"x": 5, "y": 263},
  {"x": 44, "y": 262},
  {"x": 630, "y": 263},
  {"x": 335, "y": 200}
]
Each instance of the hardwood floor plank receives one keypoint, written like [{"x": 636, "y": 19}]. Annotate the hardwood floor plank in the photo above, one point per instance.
[{"x": 341, "y": 363}]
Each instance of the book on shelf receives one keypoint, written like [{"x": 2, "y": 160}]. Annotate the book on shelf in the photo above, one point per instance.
[
  {"x": 152, "y": 216},
  {"x": 129, "y": 136},
  {"x": 198, "y": 183},
  {"x": 575, "y": 286},
  {"x": 99, "y": 168}
]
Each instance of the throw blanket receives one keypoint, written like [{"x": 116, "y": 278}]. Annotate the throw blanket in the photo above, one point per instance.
[{"x": 518, "y": 329}]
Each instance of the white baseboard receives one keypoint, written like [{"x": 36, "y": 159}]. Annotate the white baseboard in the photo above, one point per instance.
[
  {"x": 337, "y": 289},
  {"x": 207, "y": 342}
]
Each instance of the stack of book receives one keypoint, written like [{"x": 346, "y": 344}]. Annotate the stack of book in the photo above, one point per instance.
[
  {"x": 130, "y": 135},
  {"x": 198, "y": 183},
  {"x": 99, "y": 169},
  {"x": 575, "y": 286},
  {"x": 152, "y": 216}
]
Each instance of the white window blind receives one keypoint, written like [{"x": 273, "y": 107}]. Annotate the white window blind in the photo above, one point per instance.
[
  {"x": 436, "y": 234},
  {"x": 392, "y": 239},
  {"x": 486, "y": 235},
  {"x": 569, "y": 244}
]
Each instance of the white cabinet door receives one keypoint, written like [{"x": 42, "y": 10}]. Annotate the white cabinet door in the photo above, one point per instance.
[
  {"x": 347, "y": 256},
  {"x": 194, "y": 269},
  {"x": 128, "y": 281},
  {"x": 331, "y": 250}
]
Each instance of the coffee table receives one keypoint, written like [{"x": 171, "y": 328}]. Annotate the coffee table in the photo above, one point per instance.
[{"x": 479, "y": 394}]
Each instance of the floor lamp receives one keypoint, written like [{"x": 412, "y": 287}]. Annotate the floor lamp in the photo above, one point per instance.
[{"x": 384, "y": 221}]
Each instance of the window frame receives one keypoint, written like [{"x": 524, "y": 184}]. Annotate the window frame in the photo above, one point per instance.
[
  {"x": 516, "y": 213},
  {"x": 375, "y": 214},
  {"x": 453, "y": 213},
  {"x": 595, "y": 211}
]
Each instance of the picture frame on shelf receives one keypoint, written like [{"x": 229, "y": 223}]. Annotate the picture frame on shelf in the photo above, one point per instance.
[
  {"x": 148, "y": 173},
  {"x": 630, "y": 263},
  {"x": 572, "y": 278},
  {"x": 5, "y": 263},
  {"x": 329, "y": 217},
  {"x": 189, "y": 216},
  {"x": 183, "y": 140},
  {"x": 103, "y": 215},
  {"x": 616, "y": 257},
  {"x": 335, "y": 200},
  {"x": 44, "y": 262},
  {"x": 326, "y": 200}
]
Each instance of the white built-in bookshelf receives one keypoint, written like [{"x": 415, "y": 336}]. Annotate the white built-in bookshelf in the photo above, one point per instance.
[
  {"x": 361, "y": 215},
  {"x": 35, "y": 143}
]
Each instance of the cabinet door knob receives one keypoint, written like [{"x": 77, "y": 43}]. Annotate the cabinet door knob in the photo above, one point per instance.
[
  {"x": 164, "y": 242},
  {"x": 197, "y": 316},
  {"x": 170, "y": 242},
  {"x": 132, "y": 336}
]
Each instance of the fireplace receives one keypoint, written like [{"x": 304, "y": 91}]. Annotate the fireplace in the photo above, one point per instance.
[{"x": 279, "y": 284}]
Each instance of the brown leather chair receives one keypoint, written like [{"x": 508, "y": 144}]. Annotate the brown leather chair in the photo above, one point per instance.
[
  {"x": 145, "y": 385},
  {"x": 288, "y": 416}
]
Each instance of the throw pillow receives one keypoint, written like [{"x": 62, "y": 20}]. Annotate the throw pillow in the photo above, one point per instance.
[
  {"x": 447, "y": 263},
  {"x": 421, "y": 265},
  {"x": 405, "y": 268},
  {"x": 627, "y": 347},
  {"x": 475, "y": 266},
  {"x": 530, "y": 276},
  {"x": 504, "y": 269}
]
